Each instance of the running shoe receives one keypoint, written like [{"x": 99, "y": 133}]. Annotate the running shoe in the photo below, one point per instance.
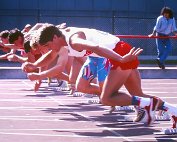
[
  {"x": 141, "y": 114},
  {"x": 148, "y": 115},
  {"x": 151, "y": 110}
]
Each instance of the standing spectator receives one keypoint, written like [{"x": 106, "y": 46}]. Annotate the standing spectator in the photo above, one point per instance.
[{"x": 165, "y": 25}]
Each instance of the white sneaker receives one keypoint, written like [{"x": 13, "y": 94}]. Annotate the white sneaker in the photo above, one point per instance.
[
  {"x": 147, "y": 115},
  {"x": 151, "y": 111},
  {"x": 140, "y": 114}
]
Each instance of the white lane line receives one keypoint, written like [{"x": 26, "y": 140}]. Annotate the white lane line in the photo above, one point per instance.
[
  {"x": 58, "y": 129},
  {"x": 44, "y": 99},
  {"x": 73, "y": 129},
  {"x": 22, "y": 107},
  {"x": 162, "y": 83},
  {"x": 20, "y": 119},
  {"x": 61, "y": 99},
  {"x": 155, "y": 92},
  {"x": 36, "y": 116},
  {"x": 81, "y": 136}
]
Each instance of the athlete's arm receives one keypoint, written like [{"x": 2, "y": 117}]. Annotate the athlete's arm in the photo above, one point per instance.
[
  {"x": 78, "y": 42},
  {"x": 54, "y": 71},
  {"x": 11, "y": 46},
  {"x": 33, "y": 29},
  {"x": 44, "y": 60}
]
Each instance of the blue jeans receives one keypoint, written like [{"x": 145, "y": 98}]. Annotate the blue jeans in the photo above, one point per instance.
[{"x": 163, "y": 48}]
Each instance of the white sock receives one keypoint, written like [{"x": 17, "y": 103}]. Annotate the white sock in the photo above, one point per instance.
[
  {"x": 170, "y": 108},
  {"x": 144, "y": 102}
]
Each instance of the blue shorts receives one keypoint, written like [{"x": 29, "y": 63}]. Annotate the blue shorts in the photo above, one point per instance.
[{"x": 95, "y": 67}]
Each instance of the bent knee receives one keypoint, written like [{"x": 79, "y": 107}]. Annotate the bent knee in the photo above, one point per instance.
[{"x": 105, "y": 100}]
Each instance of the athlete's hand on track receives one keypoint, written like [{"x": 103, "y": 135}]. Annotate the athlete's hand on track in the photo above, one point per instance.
[
  {"x": 13, "y": 58},
  {"x": 28, "y": 67},
  {"x": 132, "y": 55},
  {"x": 34, "y": 76}
]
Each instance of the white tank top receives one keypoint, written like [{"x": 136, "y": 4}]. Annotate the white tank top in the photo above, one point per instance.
[{"x": 100, "y": 38}]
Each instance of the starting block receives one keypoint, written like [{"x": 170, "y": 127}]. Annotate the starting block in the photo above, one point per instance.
[
  {"x": 55, "y": 83},
  {"x": 125, "y": 108},
  {"x": 121, "y": 108},
  {"x": 94, "y": 101},
  {"x": 168, "y": 131},
  {"x": 78, "y": 94},
  {"x": 163, "y": 117}
]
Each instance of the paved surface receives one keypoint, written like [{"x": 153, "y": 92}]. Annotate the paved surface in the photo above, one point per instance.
[{"x": 52, "y": 116}]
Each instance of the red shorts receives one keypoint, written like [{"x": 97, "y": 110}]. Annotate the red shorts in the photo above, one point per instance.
[{"x": 122, "y": 48}]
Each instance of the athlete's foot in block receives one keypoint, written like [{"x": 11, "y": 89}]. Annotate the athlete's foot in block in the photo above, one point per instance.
[
  {"x": 37, "y": 85},
  {"x": 140, "y": 115},
  {"x": 147, "y": 116}
]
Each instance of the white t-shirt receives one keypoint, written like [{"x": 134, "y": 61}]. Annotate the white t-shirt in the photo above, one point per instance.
[{"x": 100, "y": 38}]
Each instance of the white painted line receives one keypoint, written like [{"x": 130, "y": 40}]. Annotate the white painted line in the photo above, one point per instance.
[
  {"x": 81, "y": 136},
  {"x": 28, "y": 108},
  {"x": 38, "y": 108},
  {"x": 57, "y": 129},
  {"x": 60, "y": 99},
  {"x": 36, "y": 116},
  {"x": 43, "y": 100},
  {"x": 20, "y": 119}
]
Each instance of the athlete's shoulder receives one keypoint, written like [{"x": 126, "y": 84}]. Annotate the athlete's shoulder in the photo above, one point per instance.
[{"x": 63, "y": 50}]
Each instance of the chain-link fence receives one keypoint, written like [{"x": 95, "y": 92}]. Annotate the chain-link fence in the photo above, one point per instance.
[{"x": 106, "y": 21}]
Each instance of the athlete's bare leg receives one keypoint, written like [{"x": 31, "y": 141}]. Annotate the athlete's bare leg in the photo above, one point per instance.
[
  {"x": 75, "y": 69},
  {"x": 110, "y": 94},
  {"x": 86, "y": 86},
  {"x": 133, "y": 84}
]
